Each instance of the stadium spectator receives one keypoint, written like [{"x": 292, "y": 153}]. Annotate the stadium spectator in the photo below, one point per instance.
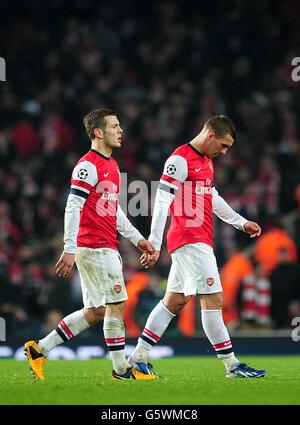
[
  {"x": 238, "y": 268},
  {"x": 256, "y": 299},
  {"x": 285, "y": 290},
  {"x": 147, "y": 300},
  {"x": 26, "y": 139},
  {"x": 269, "y": 246}
]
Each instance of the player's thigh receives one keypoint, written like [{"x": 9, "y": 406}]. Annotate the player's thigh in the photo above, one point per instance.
[
  {"x": 101, "y": 276},
  {"x": 208, "y": 278},
  {"x": 182, "y": 277},
  {"x": 174, "y": 285}
]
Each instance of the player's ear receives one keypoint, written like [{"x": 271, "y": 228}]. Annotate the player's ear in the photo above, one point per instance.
[
  {"x": 211, "y": 136},
  {"x": 98, "y": 132}
]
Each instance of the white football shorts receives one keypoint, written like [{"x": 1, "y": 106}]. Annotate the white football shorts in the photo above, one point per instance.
[
  {"x": 194, "y": 270},
  {"x": 101, "y": 276}
]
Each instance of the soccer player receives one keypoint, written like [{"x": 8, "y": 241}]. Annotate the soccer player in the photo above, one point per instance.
[
  {"x": 92, "y": 219},
  {"x": 186, "y": 187}
]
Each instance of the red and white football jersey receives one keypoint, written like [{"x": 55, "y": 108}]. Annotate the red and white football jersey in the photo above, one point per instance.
[
  {"x": 189, "y": 174},
  {"x": 97, "y": 179}
]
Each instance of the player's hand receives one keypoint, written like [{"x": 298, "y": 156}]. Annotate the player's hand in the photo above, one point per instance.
[
  {"x": 65, "y": 264},
  {"x": 252, "y": 228},
  {"x": 149, "y": 260},
  {"x": 145, "y": 246}
]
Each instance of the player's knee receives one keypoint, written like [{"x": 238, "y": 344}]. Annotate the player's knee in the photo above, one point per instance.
[
  {"x": 94, "y": 315},
  {"x": 115, "y": 310},
  {"x": 219, "y": 305},
  {"x": 177, "y": 308},
  {"x": 218, "y": 301},
  {"x": 176, "y": 303},
  {"x": 99, "y": 314},
  {"x": 212, "y": 301},
  {"x": 182, "y": 303}
]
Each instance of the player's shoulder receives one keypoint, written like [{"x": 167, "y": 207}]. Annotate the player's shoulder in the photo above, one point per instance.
[
  {"x": 182, "y": 150},
  {"x": 97, "y": 160},
  {"x": 90, "y": 156},
  {"x": 176, "y": 165},
  {"x": 86, "y": 168},
  {"x": 179, "y": 155},
  {"x": 114, "y": 162}
]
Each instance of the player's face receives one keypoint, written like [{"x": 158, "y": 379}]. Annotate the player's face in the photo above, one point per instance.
[
  {"x": 113, "y": 132},
  {"x": 218, "y": 146}
]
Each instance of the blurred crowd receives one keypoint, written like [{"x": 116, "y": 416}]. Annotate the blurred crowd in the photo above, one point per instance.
[{"x": 165, "y": 68}]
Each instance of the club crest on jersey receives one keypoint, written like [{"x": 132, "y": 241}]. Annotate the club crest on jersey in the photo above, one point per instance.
[
  {"x": 171, "y": 169},
  {"x": 210, "y": 281},
  {"x": 82, "y": 174},
  {"x": 211, "y": 165},
  {"x": 117, "y": 288}
]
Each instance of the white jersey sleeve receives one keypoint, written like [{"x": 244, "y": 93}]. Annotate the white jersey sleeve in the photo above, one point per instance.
[
  {"x": 163, "y": 200},
  {"x": 72, "y": 218},
  {"x": 176, "y": 167},
  {"x": 175, "y": 173},
  {"x": 225, "y": 212},
  {"x": 126, "y": 229},
  {"x": 84, "y": 177}
]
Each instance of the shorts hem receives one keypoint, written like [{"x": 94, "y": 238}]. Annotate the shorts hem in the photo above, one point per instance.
[{"x": 197, "y": 293}]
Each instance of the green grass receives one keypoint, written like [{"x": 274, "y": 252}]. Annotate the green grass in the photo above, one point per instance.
[{"x": 184, "y": 380}]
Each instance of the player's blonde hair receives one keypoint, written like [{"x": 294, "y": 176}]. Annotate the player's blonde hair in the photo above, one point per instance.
[{"x": 221, "y": 125}]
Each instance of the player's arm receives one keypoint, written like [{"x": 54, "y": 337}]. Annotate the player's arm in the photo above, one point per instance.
[
  {"x": 174, "y": 174},
  {"x": 84, "y": 177},
  {"x": 227, "y": 214},
  {"x": 126, "y": 229}
]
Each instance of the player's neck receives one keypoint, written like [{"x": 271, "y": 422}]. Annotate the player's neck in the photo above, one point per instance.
[
  {"x": 197, "y": 144},
  {"x": 104, "y": 150}
]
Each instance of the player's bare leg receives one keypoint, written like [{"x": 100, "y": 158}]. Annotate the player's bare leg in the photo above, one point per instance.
[
  {"x": 175, "y": 302},
  {"x": 70, "y": 326},
  {"x": 216, "y": 332},
  {"x": 94, "y": 315}
]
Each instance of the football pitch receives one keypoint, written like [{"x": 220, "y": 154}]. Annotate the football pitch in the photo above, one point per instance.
[{"x": 184, "y": 380}]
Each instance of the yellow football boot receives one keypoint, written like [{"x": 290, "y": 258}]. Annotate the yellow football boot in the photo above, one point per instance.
[
  {"x": 132, "y": 373},
  {"x": 36, "y": 359}
]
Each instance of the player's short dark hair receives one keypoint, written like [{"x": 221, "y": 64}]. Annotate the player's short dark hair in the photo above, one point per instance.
[
  {"x": 221, "y": 125},
  {"x": 96, "y": 119}
]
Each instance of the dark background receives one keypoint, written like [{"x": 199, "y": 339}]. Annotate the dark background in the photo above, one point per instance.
[{"x": 165, "y": 67}]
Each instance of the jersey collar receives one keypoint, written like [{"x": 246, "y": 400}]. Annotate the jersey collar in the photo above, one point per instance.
[
  {"x": 194, "y": 149},
  {"x": 103, "y": 156}
]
